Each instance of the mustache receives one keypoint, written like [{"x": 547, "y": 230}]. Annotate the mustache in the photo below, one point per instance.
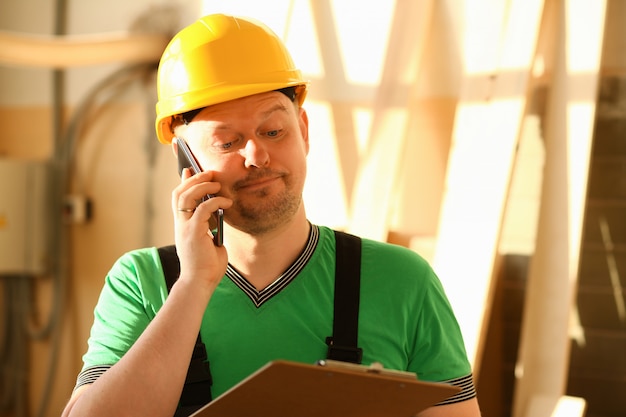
[{"x": 257, "y": 175}]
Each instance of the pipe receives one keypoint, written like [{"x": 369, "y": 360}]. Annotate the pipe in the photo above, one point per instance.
[{"x": 64, "y": 51}]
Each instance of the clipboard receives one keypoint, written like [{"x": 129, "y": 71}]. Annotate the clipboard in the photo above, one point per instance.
[{"x": 287, "y": 389}]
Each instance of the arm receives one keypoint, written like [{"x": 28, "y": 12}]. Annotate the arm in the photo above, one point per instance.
[
  {"x": 468, "y": 408},
  {"x": 439, "y": 353},
  {"x": 149, "y": 377}
]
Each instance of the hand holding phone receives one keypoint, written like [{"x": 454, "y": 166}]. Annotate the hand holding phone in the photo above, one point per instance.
[{"x": 187, "y": 160}]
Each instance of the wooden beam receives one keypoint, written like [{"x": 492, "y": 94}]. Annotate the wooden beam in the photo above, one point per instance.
[
  {"x": 543, "y": 359},
  {"x": 563, "y": 406},
  {"x": 499, "y": 49},
  {"x": 379, "y": 167}
]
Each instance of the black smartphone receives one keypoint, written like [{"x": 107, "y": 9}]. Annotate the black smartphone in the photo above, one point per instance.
[{"x": 187, "y": 160}]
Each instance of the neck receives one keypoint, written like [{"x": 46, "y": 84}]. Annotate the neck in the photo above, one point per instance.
[{"x": 261, "y": 259}]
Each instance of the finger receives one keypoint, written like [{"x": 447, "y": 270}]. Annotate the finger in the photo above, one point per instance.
[
  {"x": 186, "y": 210},
  {"x": 185, "y": 174}
]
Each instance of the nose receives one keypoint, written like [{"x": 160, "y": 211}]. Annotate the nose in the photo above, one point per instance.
[{"x": 254, "y": 154}]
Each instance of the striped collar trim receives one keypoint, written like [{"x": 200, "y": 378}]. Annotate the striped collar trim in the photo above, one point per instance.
[{"x": 260, "y": 297}]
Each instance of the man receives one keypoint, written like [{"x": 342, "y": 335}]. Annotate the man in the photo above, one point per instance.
[{"x": 228, "y": 87}]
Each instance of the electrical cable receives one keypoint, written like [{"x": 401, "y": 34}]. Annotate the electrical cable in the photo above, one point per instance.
[
  {"x": 7, "y": 395},
  {"x": 58, "y": 241},
  {"x": 113, "y": 85},
  {"x": 59, "y": 269},
  {"x": 66, "y": 150},
  {"x": 151, "y": 147},
  {"x": 13, "y": 358},
  {"x": 19, "y": 289}
]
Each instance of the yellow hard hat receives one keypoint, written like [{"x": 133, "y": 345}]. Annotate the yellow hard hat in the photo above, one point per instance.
[{"x": 220, "y": 58}]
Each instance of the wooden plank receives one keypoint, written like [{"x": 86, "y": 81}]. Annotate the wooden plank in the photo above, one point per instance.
[
  {"x": 499, "y": 49},
  {"x": 545, "y": 343},
  {"x": 564, "y": 406},
  {"x": 378, "y": 169}
]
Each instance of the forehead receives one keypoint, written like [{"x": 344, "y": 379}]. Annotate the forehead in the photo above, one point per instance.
[{"x": 258, "y": 106}]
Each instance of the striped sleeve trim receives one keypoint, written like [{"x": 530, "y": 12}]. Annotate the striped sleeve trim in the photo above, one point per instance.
[
  {"x": 89, "y": 375},
  {"x": 468, "y": 391}
]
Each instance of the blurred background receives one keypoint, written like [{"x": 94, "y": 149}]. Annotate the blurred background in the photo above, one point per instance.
[{"x": 487, "y": 135}]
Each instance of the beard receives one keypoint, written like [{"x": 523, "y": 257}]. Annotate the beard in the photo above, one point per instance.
[{"x": 264, "y": 210}]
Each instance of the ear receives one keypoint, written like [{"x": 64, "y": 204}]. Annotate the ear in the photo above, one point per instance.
[{"x": 303, "y": 121}]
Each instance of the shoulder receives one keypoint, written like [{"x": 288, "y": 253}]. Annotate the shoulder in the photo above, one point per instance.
[
  {"x": 137, "y": 263},
  {"x": 385, "y": 260},
  {"x": 388, "y": 259},
  {"x": 392, "y": 251},
  {"x": 138, "y": 259},
  {"x": 385, "y": 255},
  {"x": 138, "y": 273},
  {"x": 133, "y": 292}
]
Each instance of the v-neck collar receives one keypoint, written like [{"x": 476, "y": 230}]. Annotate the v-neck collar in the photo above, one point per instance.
[{"x": 260, "y": 297}]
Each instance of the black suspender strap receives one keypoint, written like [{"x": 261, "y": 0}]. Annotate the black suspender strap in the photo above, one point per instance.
[
  {"x": 197, "y": 389},
  {"x": 170, "y": 265},
  {"x": 343, "y": 345}
]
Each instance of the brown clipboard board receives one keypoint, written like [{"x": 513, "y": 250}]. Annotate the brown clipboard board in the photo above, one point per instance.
[{"x": 287, "y": 389}]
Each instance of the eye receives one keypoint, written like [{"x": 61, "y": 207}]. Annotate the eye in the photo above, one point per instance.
[
  {"x": 225, "y": 145},
  {"x": 272, "y": 134}
]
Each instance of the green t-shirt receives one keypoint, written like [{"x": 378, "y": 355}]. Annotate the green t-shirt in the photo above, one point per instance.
[{"x": 405, "y": 320}]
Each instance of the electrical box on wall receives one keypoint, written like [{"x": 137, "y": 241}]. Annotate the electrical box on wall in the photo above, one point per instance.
[{"x": 25, "y": 209}]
